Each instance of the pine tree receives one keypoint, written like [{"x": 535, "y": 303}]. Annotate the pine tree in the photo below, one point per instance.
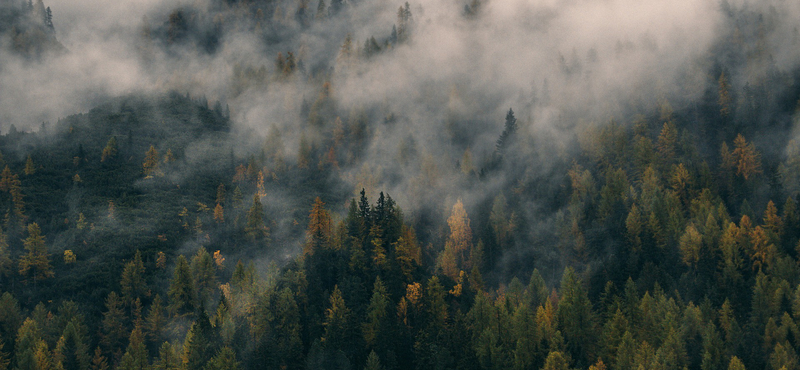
[
  {"x": 225, "y": 359},
  {"x": 199, "y": 344},
  {"x": 373, "y": 362},
  {"x": 337, "y": 322},
  {"x": 506, "y": 138},
  {"x": 181, "y": 290},
  {"x": 132, "y": 283},
  {"x": 28, "y": 339},
  {"x": 155, "y": 320},
  {"x": 71, "y": 352},
  {"x": 113, "y": 331},
  {"x": 135, "y": 357},
  {"x": 576, "y": 317},
  {"x": 167, "y": 358},
  {"x": 377, "y": 311},
  {"x": 556, "y": 361},
  {"x": 255, "y": 227},
  {"x": 204, "y": 272},
  {"x": 36, "y": 259}
]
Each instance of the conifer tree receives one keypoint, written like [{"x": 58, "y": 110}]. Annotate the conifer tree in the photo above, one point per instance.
[
  {"x": 110, "y": 151},
  {"x": 6, "y": 264},
  {"x": 373, "y": 362},
  {"x": 455, "y": 256},
  {"x": 36, "y": 260},
  {"x": 132, "y": 284},
  {"x": 167, "y": 358},
  {"x": 219, "y": 214},
  {"x": 150, "y": 166},
  {"x": 255, "y": 227},
  {"x": 113, "y": 330},
  {"x": 199, "y": 344},
  {"x": 30, "y": 167},
  {"x": 155, "y": 320},
  {"x": 135, "y": 357},
  {"x": 507, "y": 136},
  {"x": 322, "y": 12},
  {"x": 71, "y": 352},
  {"x": 337, "y": 322},
  {"x": 320, "y": 229},
  {"x": 181, "y": 290},
  {"x": 4, "y": 360},
  {"x": 377, "y": 311},
  {"x": 99, "y": 362},
  {"x": 724, "y": 96},
  {"x": 204, "y": 272},
  {"x": 225, "y": 359},
  {"x": 748, "y": 159},
  {"x": 28, "y": 340},
  {"x": 576, "y": 317}
]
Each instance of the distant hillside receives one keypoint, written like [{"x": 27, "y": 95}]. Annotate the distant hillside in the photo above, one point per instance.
[{"x": 26, "y": 28}]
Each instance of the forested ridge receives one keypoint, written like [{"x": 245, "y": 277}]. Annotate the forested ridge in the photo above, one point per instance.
[{"x": 292, "y": 221}]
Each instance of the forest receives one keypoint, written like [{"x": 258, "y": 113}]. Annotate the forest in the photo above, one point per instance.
[{"x": 364, "y": 184}]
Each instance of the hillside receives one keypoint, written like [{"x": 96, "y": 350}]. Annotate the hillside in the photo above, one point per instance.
[{"x": 477, "y": 185}]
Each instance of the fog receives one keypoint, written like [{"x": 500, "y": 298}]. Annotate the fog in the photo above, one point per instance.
[{"x": 562, "y": 65}]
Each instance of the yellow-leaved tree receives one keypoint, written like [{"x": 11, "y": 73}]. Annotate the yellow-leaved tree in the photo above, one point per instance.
[
  {"x": 36, "y": 261},
  {"x": 458, "y": 249}
]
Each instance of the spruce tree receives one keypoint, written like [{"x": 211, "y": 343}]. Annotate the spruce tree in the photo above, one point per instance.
[{"x": 181, "y": 290}]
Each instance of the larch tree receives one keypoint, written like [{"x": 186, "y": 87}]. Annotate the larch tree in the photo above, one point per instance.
[
  {"x": 320, "y": 229},
  {"x": 748, "y": 159},
  {"x": 219, "y": 214},
  {"x": 30, "y": 167},
  {"x": 110, "y": 151},
  {"x": 151, "y": 163},
  {"x": 36, "y": 261},
  {"x": 455, "y": 256},
  {"x": 99, "y": 362}
]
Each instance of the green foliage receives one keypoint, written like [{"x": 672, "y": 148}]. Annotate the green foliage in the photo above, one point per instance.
[{"x": 182, "y": 294}]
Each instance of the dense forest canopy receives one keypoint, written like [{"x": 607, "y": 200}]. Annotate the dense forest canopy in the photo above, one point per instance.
[{"x": 367, "y": 184}]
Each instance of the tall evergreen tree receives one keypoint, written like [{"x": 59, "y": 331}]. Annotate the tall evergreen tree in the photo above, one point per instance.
[{"x": 181, "y": 291}]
